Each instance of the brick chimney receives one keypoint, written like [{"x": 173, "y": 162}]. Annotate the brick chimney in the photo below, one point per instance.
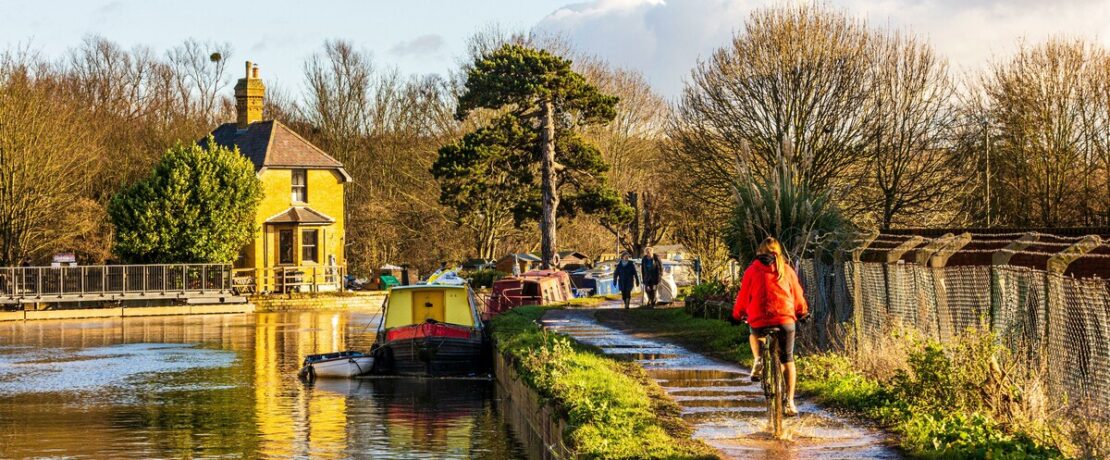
[{"x": 249, "y": 93}]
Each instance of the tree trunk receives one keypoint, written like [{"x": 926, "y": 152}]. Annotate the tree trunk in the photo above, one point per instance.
[{"x": 550, "y": 195}]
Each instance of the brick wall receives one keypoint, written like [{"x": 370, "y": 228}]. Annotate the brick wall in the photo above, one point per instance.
[{"x": 371, "y": 300}]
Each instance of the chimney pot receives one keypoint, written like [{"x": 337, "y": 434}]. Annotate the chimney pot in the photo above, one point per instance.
[{"x": 249, "y": 94}]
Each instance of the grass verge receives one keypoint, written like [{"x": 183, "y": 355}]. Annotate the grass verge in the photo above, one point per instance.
[
  {"x": 613, "y": 409},
  {"x": 942, "y": 401}
]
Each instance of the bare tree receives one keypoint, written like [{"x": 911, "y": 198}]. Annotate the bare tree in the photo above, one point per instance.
[
  {"x": 793, "y": 88},
  {"x": 632, "y": 147},
  {"x": 911, "y": 165},
  {"x": 1039, "y": 102},
  {"x": 46, "y": 162},
  {"x": 199, "y": 72}
]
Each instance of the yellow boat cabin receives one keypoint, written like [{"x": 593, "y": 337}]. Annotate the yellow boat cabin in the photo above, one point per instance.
[{"x": 417, "y": 304}]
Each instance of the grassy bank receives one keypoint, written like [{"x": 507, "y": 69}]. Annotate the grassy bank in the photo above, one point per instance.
[
  {"x": 942, "y": 401},
  {"x": 613, "y": 409}
]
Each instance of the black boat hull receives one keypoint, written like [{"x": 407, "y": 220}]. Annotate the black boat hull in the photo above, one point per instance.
[{"x": 435, "y": 356}]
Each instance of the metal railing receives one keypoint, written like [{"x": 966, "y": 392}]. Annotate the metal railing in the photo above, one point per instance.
[
  {"x": 286, "y": 279},
  {"x": 51, "y": 283}
]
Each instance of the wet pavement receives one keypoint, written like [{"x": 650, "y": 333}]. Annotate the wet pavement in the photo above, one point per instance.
[{"x": 726, "y": 409}]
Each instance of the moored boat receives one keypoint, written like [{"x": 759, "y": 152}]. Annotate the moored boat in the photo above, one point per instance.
[
  {"x": 432, "y": 329},
  {"x": 536, "y": 287},
  {"x": 344, "y": 364}
]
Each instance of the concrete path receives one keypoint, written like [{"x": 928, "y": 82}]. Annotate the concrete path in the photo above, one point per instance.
[{"x": 727, "y": 410}]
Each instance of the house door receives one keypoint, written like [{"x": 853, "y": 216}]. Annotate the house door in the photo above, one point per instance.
[{"x": 427, "y": 305}]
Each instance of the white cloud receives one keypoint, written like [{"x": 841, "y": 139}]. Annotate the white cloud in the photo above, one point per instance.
[
  {"x": 665, "y": 38},
  {"x": 420, "y": 46}
]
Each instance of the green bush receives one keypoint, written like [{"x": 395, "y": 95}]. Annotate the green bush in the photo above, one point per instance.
[
  {"x": 782, "y": 207},
  {"x": 705, "y": 299},
  {"x": 610, "y": 410},
  {"x": 484, "y": 278},
  {"x": 198, "y": 206}
]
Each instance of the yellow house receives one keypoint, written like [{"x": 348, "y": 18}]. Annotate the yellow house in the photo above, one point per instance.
[{"x": 300, "y": 219}]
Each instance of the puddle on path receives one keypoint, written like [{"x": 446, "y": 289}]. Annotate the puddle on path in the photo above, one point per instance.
[{"x": 726, "y": 409}]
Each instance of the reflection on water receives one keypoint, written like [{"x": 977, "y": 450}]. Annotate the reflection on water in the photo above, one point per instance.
[{"x": 212, "y": 386}]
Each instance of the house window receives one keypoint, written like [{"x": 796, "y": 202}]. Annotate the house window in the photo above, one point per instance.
[
  {"x": 285, "y": 247},
  {"x": 300, "y": 186},
  {"x": 308, "y": 246}
]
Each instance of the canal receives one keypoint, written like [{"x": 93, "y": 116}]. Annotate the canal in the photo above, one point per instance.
[{"x": 225, "y": 386}]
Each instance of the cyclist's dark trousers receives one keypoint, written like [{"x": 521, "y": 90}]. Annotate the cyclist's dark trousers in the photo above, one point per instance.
[
  {"x": 649, "y": 289},
  {"x": 785, "y": 339}
]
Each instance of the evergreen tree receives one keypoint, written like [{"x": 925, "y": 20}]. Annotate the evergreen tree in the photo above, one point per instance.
[
  {"x": 538, "y": 92},
  {"x": 198, "y": 206}
]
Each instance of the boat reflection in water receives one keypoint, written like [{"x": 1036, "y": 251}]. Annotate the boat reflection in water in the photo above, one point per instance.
[
  {"x": 225, "y": 386},
  {"x": 435, "y": 417}
]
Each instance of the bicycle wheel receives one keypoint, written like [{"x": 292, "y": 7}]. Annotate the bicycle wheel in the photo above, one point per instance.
[{"x": 777, "y": 387}]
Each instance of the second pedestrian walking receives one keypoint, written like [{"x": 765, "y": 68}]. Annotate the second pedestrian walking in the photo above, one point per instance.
[{"x": 652, "y": 268}]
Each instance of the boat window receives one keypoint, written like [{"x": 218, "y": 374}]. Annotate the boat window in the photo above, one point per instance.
[
  {"x": 530, "y": 290},
  {"x": 285, "y": 247}
]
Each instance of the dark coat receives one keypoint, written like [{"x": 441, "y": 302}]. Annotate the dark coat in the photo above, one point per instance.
[
  {"x": 651, "y": 276},
  {"x": 625, "y": 276}
]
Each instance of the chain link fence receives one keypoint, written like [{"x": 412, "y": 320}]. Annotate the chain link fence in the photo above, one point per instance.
[{"x": 1056, "y": 325}]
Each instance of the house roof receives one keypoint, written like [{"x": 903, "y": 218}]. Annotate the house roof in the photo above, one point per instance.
[
  {"x": 574, "y": 254},
  {"x": 527, "y": 257},
  {"x": 270, "y": 144},
  {"x": 300, "y": 215},
  {"x": 670, "y": 248}
]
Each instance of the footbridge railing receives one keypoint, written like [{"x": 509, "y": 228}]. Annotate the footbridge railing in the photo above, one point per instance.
[{"x": 98, "y": 282}]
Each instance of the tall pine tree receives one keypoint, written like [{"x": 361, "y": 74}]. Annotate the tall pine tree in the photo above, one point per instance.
[{"x": 538, "y": 92}]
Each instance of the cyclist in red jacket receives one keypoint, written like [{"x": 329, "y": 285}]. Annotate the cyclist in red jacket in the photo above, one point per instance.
[{"x": 770, "y": 295}]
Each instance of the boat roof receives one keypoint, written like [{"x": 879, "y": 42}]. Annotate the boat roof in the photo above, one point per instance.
[{"x": 428, "y": 286}]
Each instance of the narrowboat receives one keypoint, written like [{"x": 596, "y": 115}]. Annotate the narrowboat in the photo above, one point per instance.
[
  {"x": 432, "y": 329},
  {"x": 536, "y": 287}
]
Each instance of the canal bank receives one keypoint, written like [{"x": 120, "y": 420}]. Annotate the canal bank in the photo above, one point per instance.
[
  {"x": 579, "y": 403},
  {"x": 359, "y": 300}
]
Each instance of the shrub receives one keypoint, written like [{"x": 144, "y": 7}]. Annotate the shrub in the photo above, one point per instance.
[
  {"x": 484, "y": 278},
  {"x": 782, "y": 207},
  {"x": 198, "y": 206}
]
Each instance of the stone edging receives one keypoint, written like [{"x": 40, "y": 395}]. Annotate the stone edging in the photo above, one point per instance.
[{"x": 529, "y": 412}]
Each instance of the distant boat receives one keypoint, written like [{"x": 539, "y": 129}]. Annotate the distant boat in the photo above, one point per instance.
[
  {"x": 536, "y": 287},
  {"x": 432, "y": 329},
  {"x": 345, "y": 364}
]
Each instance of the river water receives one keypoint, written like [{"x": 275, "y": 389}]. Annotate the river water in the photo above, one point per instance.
[{"x": 224, "y": 386}]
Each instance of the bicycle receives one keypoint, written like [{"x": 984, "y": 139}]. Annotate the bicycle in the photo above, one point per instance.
[{"x": 772, "y": 378}]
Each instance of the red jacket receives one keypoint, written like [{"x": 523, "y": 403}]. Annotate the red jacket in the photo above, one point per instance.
[{"x": 766, "y": 300}]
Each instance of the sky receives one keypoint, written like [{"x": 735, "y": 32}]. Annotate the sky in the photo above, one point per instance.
[{"x": 662, "y": 38}]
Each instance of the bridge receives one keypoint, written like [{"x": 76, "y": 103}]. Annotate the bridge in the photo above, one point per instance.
[{"x": 179, "y": 283}]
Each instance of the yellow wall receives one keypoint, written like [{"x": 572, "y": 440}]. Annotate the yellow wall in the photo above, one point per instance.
[{"x": 325, "y": 195}]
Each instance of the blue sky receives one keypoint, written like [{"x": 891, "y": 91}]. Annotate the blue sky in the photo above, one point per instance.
[{"x": 662, "y": 38}]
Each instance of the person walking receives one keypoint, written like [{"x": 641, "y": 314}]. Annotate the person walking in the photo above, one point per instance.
[
  {"x": 625, "y": 278},
  {"x": 652, "y": 271},
  {"x": 771, "y": 296}
]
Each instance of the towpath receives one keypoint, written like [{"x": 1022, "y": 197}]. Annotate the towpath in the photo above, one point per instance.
[{"x": 726, "y": 409}]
